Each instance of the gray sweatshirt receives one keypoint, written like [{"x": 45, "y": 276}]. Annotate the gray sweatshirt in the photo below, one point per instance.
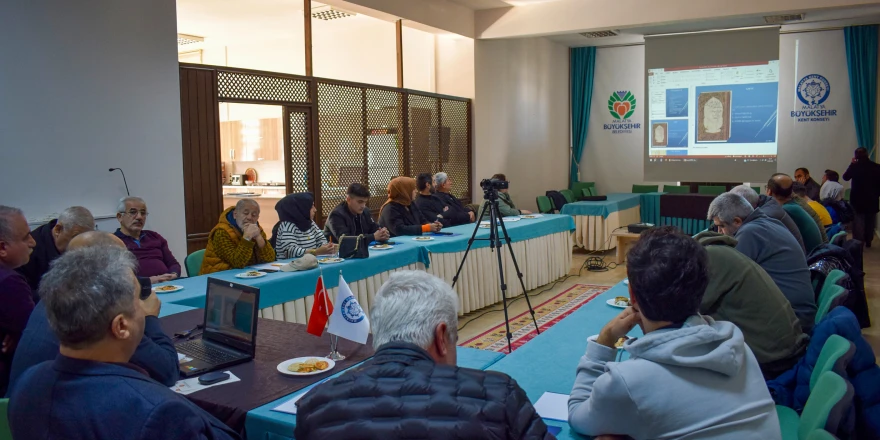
[{"x": 699, "y": 381}]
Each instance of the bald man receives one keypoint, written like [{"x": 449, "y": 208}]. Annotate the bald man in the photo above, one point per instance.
[
  {"x": 155, "y": 354},
  {"x": 780, "y": 188}
]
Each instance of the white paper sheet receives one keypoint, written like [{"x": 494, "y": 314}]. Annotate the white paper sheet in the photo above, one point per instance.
[
  {"x": 269, "y": 266},
  {"x": 289, "y": 406},
  {"x": 553, "y": 406},
  {"x": 191, "y": 385}
]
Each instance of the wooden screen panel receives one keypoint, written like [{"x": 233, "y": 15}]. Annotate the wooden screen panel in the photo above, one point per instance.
[{"x": 200, "y": 126}]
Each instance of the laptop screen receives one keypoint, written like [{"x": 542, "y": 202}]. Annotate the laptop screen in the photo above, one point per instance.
[{"x": 230, "y": 313}]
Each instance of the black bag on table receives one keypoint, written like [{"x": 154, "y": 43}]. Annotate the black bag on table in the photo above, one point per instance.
[{"x": 353, "y": 247}]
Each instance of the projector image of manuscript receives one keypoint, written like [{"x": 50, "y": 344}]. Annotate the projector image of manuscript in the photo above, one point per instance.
[
  {"x": 659, "y": 131},
  {"x": 713, "y": 116}
]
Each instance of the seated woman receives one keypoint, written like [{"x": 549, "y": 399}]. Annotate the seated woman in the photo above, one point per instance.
[
  {"x": 296, "y": 234},
  {"x": 238, "y": 240},
  {"x": 400, "y": 215},
  {"x": 505, "y": 204}
]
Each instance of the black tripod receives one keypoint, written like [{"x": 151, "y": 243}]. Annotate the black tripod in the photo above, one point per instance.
[{"x": 495, "y": 242}]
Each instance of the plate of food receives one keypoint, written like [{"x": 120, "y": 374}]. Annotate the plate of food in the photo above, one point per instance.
[
  {"x": 618, "y": 344},
  {"x": 306, "y": 366},
  {"x": 381, "y": 247},
  {"x": 167, "y": 289},
  {"x": 423, "y": 238},
  {"x": 251, "y": 274},
  {"x": 330, "y": 260},
  {"x": 620, "y": 302}
]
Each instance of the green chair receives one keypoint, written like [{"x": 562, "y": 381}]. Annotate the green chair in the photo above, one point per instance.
[
  {"x": 676, "y": 189},
  {"x": 568, "y": 194},
  {"x": 589, "y": 191},
  {"x": 5, "y": 434},
  {"x": 829, "y": 299},
  {"x": 835, "y": 356},
  {"x": 821, "y": 434},
  {"x": 193, "y": 262},
  {"x": 545, "y": 205},
  {"x": 846, "y": 195},
  {"x": 713, "y": 190},
  {"x": 838, "y": 239},
  {"x": 641, "y": 189},
  {"x": 833, "y": 278},
  {"x": 578, "y": 187},
  {"x": 825, "y": 408}
]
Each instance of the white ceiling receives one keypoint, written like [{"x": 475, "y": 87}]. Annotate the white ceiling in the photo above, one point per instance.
[{"x": 491, "y": 4}]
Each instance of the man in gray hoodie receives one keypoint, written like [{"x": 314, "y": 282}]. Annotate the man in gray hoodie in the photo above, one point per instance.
[
  {"x": 689, "y": 376},
  {"x": 769, "y": 206}
]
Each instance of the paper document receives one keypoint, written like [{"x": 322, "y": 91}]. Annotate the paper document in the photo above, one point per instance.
[
  {"x": 191, "y": 385},
  {"x": 182, "y": 358},
  {"x": 553, "y": 406},
  {"x": 289, "y": 406}
]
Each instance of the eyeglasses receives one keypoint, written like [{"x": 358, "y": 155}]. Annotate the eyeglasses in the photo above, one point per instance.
[{"x": 135, "y": 212}]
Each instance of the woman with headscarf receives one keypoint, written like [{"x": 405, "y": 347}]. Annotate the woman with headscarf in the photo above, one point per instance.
[
  {"x": 400, "y": 215},
  {"x": 296, "y": 234}
]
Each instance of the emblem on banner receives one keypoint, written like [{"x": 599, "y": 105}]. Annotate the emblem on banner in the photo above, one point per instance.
[
  {"x": 351, "y": 310},
  {"x": 622, "y": 104},
  {"x": 813, "y": 89}
]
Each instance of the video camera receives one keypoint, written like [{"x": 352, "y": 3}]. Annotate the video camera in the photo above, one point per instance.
[{"x": 491, "y": 187}]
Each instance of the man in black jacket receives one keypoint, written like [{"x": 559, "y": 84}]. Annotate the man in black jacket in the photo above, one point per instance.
[
  {"x": 454, "y": 211},
  {"x": 865, "y": 176},
  {"x": 411, "y": 387},
  {"x": 353, "y": 218},
  {"x": 52, "y": 239},
  {"x": 429, "y": 203},
  {"x": 802, "y": 175}
]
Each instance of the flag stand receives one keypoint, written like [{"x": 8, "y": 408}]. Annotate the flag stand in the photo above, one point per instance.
[{"x": 334, "y": 355}]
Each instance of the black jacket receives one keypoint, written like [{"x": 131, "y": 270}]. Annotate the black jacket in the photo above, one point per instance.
[
  {"x": 401, "y": 393},
  {"x": 44, "y": 253},
  {"x": 402, "y": 220},
  {"x": 865, "y": 176},
  {"x": 813, "y": 189},
  {"x": 432, "y": 207},
  {"x": 342, "y": 222},
  {"x": 457, "y": 214}
]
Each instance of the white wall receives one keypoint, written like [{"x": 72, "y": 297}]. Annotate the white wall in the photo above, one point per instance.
[
  {"x": 521, "y": 116},
  {"x": 455, "y": 66},
  {"x": 418, "y": 60},
  {"x": 86, "y": 86}
]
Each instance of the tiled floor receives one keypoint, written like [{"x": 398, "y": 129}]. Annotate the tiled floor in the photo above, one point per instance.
[{"x": 479, "y": 321}]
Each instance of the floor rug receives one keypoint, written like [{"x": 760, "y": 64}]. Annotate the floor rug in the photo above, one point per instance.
[{"x": 547, "y": 314}]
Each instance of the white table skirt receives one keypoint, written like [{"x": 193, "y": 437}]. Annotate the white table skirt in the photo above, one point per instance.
[
  {"x": 593, "y": 232},
  {"x": 542, "y": 260}
]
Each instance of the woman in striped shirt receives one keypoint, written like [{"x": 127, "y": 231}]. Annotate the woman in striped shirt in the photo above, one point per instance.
[{"x": 297, "y": 234}]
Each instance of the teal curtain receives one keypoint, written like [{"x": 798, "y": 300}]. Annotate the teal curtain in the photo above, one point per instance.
[
  {"x": 861, "y": 62},
  {"x": 583, "y": 68}
]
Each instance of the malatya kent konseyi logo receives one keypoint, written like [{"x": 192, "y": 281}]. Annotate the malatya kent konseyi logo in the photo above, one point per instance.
[{"x": 622, "y": 105}]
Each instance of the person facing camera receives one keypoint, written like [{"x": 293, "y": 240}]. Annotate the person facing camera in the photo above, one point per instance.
[
  {"x": 238, "y": 240},
  {"x": 296, "y": 234},
  {"x": 352, "y": 217},
  {"x": 506, "y": 207},
  {"x": 689, "y": 376},
  {"x": 400, "y": 215}
]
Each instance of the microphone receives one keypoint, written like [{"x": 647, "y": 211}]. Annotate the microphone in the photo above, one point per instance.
[{"x": 123, "y": 179}]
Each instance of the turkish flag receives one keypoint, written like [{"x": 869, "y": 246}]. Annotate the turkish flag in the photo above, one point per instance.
[{"x": 321, "y": 310}]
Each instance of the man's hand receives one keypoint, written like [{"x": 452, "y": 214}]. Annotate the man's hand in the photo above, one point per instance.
[
  {"x": 618, "y": 327},
  {"x": 855, "y": 160},
  {"x": 165, "y": 277},
  {"x": 471, "y": 214},
  {"x": 327, "y": 249},
  {"x": 525, "y": 211},
  {"x": 151, "y": 305},
  {"x": 436, "y": 227},
  {"x": 251, "y": 231},
  {"x": 8, "y": 345},
  {"x": 382, "y": 235}
]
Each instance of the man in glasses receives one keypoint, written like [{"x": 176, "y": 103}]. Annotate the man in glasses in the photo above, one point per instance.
[{"x": 151, "y": 250}]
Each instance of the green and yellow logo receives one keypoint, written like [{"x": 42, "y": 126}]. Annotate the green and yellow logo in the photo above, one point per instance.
[{"x": 622, "y": 104}]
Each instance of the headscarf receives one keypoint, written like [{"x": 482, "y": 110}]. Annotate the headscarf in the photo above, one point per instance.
[
  {"x": 831, "y": 190},
  {"x": 296, "y": 208},
  {"x": 400, "y": 190}
]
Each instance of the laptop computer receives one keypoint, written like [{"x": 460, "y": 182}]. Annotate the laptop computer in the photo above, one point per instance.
[{"x": 230, "y": 332}]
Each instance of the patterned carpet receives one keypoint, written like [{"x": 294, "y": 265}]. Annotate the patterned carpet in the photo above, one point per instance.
[{"x": 547, "y": 314}]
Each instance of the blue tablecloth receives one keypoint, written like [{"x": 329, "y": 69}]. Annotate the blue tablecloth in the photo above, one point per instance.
[
  {"x": 650, "y": 209},
  {"x": 524, "y": 229},
  {"x": 172, "y": 309},
  {"x": 264, "y": 424},
  {"x": 616, "y": 202}
]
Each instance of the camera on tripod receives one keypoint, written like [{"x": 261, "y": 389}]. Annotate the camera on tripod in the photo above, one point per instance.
[{"x": 491, "y": 187}]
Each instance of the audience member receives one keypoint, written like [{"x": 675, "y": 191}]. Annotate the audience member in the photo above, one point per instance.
[
  {"x": 411, "y": 387},
  {"x": 506, "y": 207},
  {"x": 802, "y": 175},
  {"x": 741, "y": 292},
  {"x": 400, "y": 215},
  {"x": 810, "y": 212},
  {"x": 238, "y": 240},
  {"x": 865, "y": 176},
  {"x": 90, "y": 390},
  {"x": 16, "y": 245},
  {"x": 801, "y": 191},
  {"x": 770, "y": 207},
  {"x": 429, "y": 203},
  {"x": 352, "y": 217},
  {"x": 779, "y": 187},
  {"x": 155, "y": 260},
  {"x": 52, "y": 239},
  {"x": 831, "y": 187},
  {"x": 457, "y": 213},
  {"x": 297, "y": 234},
  {"x": 684, "y": 358},
  {"x": 766, "y": 242}
]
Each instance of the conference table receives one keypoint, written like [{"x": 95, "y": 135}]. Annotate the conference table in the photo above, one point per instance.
[
  {"x": 596, "y": 220},
  {"x": 542, "y": 247},
  {"x": 684, "y": 211}
]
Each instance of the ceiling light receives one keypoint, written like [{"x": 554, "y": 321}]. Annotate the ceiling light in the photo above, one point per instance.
[
  {"x": 601, "y": 34},
  {"x": 779, "y": 19},
  {"x": 184, "y": 39},
  {"x": 327, "y": 13}
]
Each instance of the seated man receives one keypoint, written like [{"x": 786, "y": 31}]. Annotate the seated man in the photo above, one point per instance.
[
  {"x": 767, "y": 243},
  {"x": 457, "y": 214},
  {"x": 238, "y": 240},
  {"x": 802, "y": 175},
  {"x": 411, "y": 387},
  {"x": 801, "y": 192},
  {"x": 741, "y": 292},
  {"x": 780, "y": 188},
  {"x": 505, "y": 204},
  {"x": 689, "y": 376},
  {"x": 90, "y": 391},
  {"x": 771, "y": 208},
  {"x": 430, "y": 205},
  {"x": 831, "y": 187},
  {"x": 352, "y": 217},
  {"x": 155, "y": 260},
  {"x": 17, "y": 302},
  {"x": 52, "y": 239},
  {"x": 155, "y": 354}
]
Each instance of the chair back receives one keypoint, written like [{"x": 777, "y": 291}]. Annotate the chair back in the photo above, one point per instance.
[
  {"x": 589, "y": 191},
  {"x": 578, "y": 187},
  {"x": 711, "y": 189},
  {"x": 829, "y": 299},
  {"x": 838, "y": 239},
  {"x": 676, "y": 189},
  {"x": 5, "y": 433},
  {"x": 846, "y": 195},
  {"x": 835, "y": 356},
  {"x": 545, "y": 205},
  {"x": 757, "y": 189},
  {"x": 641, "y": 189},
  {"x": 827, "y": 405},
  {"x": 568, "y": 194},
  {"x": 193, "y": 263},
  {"x": 821, "y": 434}
]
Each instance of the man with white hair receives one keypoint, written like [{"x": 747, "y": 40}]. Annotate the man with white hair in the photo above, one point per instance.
[
  {"x": 411, "y": 387},
  {"x": 238, "y": 240},
  {"x": 768, "y": 243},
  {"x": 454, "y": 210},
  {"x": 770, "y": 207},
  {"x": 17, "y": 302},
  {"x": 52, "y": 239},
  {"x": 155, "y": 260}
]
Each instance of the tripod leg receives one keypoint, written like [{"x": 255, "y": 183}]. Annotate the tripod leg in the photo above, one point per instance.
[
  {"x": 466, "y": 251},
  {"x": 519, "y": 274},
  {"x": 496, "y": 246}
]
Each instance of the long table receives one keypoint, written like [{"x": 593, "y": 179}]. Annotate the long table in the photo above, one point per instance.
[{"x": 595, "y": 221}]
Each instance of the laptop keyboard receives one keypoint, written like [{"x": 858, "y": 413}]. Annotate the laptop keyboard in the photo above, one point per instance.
[{"x": 204, "y": 352}]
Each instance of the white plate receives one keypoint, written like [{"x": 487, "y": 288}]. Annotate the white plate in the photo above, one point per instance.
[
  {"x": 282, "y": 367},
  {"x": 611, "y": 303},
  {"x": 383, "y": 248},
  {"x": 530, "y": 216},
  {"x": 175, "y": 289},
  {"x": 423, "y": 238},
  {"x": 330, "y": 260},
  {"x": 251, "y": 274},
  {"x": 595, "y": 337}
]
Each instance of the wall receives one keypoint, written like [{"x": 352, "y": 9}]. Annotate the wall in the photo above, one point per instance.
[
  {"x": 455, "y": 66},
  {"x": 522, "y": 116},
  {"x": 93, "y": 85}
]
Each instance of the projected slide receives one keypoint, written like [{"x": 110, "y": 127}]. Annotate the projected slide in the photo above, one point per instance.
[{"x": 713, "y": 112}]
